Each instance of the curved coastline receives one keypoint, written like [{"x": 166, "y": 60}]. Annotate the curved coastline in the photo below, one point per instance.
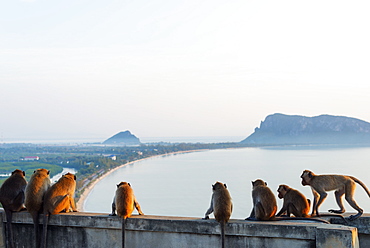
[{"x": 81, "y": 201}]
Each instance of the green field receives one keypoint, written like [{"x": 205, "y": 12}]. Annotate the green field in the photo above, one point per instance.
[{"x": 29, "y": 167}]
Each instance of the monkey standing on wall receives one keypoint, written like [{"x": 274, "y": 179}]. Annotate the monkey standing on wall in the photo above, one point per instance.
[
  {"x": 221, "y": 206},
  {"x": 124, "y": 202},
  {"x": 294, "y": 202},
  {"x": 264, "y": 202},
  {"x": 37, "y": 186},
  {"x": 343, "y": 185},
  {"x": 59, "y": 197},
  {"x": 12, "y": 199}
]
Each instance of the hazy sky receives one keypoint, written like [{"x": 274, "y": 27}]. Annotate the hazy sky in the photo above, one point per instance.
[{"x": 86, "y": 68}]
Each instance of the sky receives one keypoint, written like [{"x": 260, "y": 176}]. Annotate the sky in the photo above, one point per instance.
[{"x": 164, "y": 68}]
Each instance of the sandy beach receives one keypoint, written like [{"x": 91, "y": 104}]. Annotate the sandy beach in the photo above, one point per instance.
[{"x": 81, "y": 202}]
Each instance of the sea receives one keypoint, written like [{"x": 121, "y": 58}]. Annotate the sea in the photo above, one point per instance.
[{"x": 181, "y": 184}]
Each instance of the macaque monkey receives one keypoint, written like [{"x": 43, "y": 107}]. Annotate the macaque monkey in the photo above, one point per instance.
[
  {"x": 59, "y": 197},
  {"x": 264, "y": 202},
  {"x": 343, "y": 185},
  {"x": 294, "y": 202},
  {"x": 37, "y": 186},
  {"x": 221, "y": 206},
  {"x": 124, "y": 203},
  {"x": 12, "y": 199},
  {"x": 265, "y": 207}
]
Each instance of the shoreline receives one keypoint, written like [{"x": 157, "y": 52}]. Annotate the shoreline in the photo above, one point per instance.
[{"x": 80, "y": 204}]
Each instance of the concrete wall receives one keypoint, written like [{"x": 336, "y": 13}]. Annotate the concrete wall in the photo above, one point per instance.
[{"x": 100, "y": 230}]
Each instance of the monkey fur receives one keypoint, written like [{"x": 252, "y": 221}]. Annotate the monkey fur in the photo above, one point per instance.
[
  {"x": 294, "y": 202},
  {"x": 124, "y": 203},
  {"x": 38, "y": 184},
  {"x": 59, "y": 197},
  {"x": 264, "y": 202},
  {"x": 221, "y": 206},
  {"x": 12, "y": 198},
  {"x": 343, "y": 185}
]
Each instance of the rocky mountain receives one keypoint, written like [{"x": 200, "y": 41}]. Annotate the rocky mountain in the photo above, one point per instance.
[
  {"x": 323, "y": 129},
  {"x": 123, "y": 138}
]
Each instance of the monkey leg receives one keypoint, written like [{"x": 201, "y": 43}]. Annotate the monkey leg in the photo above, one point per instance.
[
  {"x": 350, "y": 190},
  {"x": 339, "y": 198},
  {"x": 62, "y": 204},
  {"x": 323, "y": 196},
  {"x": 291, "y": 209}
]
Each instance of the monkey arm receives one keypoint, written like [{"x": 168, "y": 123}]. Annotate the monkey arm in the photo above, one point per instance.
[
  {"x": 113, "y": 207},
  {"x": 315, "y": 197},
  {"x": 282, "y": 211},
  {"x": 137, "y": 206},
  {"x": 209, "y": 211}
]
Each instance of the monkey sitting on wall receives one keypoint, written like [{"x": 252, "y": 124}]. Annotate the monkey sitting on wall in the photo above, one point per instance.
[
  {"x": 37, "y": 186},
  {"x": 221, "y": 206},
  {"x": 12, "y": 199},
  {"x": 124, "y": 203},
  {"x": 59, "y": 197},
  {"x": 264, "y": 202},
  {"x": 294, "y": 202},
  {"x": 265, "y": 207},
  {"x": 343, "y": 185}
]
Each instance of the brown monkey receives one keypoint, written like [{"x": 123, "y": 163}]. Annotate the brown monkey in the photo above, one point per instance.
[
  {"x": 343, "y": 185},
  {"x": 12, "y": 199},
  {"x": 294, "y": 202},
  {"x": 124, "y": 202},
  {"x": 264, "y": 202},
  {"x": 58, "y": 198},
  {"x": 221, "y": 206},
  {"x": 37, "y": 186}
]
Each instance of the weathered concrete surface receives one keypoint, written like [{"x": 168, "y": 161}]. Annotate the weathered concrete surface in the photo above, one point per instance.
[{"x": 100, "y": 230}]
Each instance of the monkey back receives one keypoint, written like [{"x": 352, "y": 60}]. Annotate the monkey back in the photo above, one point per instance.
[{"x": 124, "y": 201}]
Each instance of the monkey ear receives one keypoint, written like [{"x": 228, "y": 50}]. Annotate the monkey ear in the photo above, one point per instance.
[
  {"x": 75, "y": 177},
  {"x": 129, "y": 184},
  {"x": 225, "y": 185},
  {"x": 118, "y": 185},
  {"x": 24, "y": 173},
  {"x": 34, "y": 171},
  {"x": 266, "y": 183},
  {"x": 309, "y": 174},
  {"x": 213, "y": 186},
  {"x": 48, "y": 172}
]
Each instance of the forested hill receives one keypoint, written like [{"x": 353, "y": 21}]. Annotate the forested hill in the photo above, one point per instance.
[
  {"x": 323, "y": 129},
  {"x": 123, "y": 138}
]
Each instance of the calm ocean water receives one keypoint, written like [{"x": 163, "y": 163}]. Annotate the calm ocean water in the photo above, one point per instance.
[{"x": 180, "y": 185}]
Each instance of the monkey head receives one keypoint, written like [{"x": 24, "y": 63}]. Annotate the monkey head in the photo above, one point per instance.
[
  {"x": 19, "y": 172},
  {"x": 259, "y": 182},
  {"x": 218, "y": 185},
  {"x": 306, "y": 177},
  {"x": 69, "y": 176},
  {"x": 123, "y": 184},
  {"x": 283, "y": 189}
]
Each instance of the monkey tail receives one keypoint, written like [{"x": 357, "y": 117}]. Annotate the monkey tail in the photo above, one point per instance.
[
  {"x": 9, "y": 227},
  {"x": 44, "y": 230},
  {"x": 222, "y": 234},
  {"x": 362, "y": 184},
  {"x": 301, "y": 218},
  {"x": 123, "y": 231}
]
